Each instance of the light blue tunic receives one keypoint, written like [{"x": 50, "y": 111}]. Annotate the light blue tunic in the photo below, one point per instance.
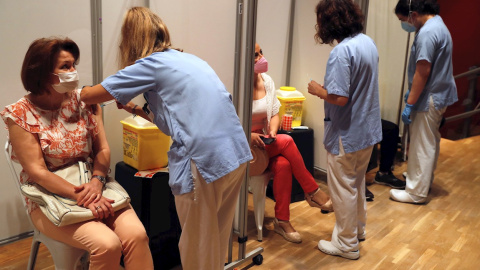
[
  {"x": 190, "y": 104},
  {"x": 352, "y": 71},
  {"x": 434, "y": 44}
]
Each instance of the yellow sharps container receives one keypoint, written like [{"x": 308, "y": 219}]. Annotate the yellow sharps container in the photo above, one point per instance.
[
  {"x": 144, "y": 145},
  {"x": 292, "y": 103}
]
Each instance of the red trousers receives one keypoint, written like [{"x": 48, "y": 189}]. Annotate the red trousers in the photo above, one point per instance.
[{"x": 285, "y": 159}]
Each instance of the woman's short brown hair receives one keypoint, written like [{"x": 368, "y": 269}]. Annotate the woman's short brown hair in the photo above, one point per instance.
[
  {"x": 40, "y": 61},
  {"x": 337, "y": 20}
]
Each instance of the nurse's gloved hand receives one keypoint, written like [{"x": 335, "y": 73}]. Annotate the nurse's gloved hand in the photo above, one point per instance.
[
  {"x": 406, "y": 114},
  {"x": 406, "y": 95}
]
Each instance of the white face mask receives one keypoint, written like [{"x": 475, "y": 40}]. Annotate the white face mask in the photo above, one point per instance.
[{"x": 68, "y": 82}]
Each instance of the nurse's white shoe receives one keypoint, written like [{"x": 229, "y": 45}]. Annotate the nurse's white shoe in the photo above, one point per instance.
[
  {"x": 405, "y": 197},
  {"x": 327, "y": 248}
]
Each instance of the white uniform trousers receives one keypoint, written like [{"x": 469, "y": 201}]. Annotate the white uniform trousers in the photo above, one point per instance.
[
  {"x": 206, "y": 216},
  {"x": 423, "y": 150},
  {"x": 346, "y": 183}
]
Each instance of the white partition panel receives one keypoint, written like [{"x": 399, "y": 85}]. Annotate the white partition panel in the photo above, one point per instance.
[
  {"x": 273, "y": 21},
  {"x": 204, "y": 28},
  {"x": 113, "y": 12},
  {"x": 21, "y": 22}
]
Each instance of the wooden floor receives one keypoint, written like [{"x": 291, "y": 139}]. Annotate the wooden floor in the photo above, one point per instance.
[{"x": 442, "y": 234}]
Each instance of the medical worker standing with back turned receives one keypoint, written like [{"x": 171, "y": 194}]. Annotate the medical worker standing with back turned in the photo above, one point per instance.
[
  {"x": 352, "y": 119},
  {"x": 209, "y": 154},
  {"x": 431, "y": 89}
]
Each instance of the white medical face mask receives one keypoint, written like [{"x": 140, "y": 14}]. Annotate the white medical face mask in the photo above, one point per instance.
[
  {"x": 408, "y": 27},
  {"x": 68, "y": 82},
  {"x": 261, "y": 66}
]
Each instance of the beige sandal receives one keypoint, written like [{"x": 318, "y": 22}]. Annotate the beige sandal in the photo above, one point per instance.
[
  {"x": 326, "y": 208},
  {"x": 293, "y": 237}
]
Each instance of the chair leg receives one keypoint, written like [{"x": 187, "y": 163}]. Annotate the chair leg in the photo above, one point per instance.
[
  {"x": 66, "y": 257},
  {"x": 259, "y": 187},
  {"x": 33, "y": 254}
]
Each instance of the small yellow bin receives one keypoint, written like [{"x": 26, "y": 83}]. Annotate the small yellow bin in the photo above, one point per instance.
[
  {"x": 292, "y": 103},
  {"x": 144, "y": 145}
]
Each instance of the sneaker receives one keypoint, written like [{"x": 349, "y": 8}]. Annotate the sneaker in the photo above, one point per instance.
[
  {"x": 405, "y": 197},
  {"x": 368, "y": 195},
  {"x": 389, "y": 179},
  {"x": 327, "y": 248}
]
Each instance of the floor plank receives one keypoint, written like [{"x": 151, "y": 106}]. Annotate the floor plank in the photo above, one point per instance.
[{"x": 442, "y": 234}]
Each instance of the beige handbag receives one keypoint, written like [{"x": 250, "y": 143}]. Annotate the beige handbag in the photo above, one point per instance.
[{"x": 64, "y": 211}]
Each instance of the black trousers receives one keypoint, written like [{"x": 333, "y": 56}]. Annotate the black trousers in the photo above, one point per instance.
[{"x": 388, "y": 147}]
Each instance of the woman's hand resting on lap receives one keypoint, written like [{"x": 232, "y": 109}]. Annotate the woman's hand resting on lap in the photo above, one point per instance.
[
  {"x": 89, "y": 193},
  {"x": 102, "y": 208}
]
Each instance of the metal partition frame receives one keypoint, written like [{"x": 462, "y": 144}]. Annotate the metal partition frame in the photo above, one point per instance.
[
  {"x": 246, "y": 122},
  {"x": 96, "y": 25}
]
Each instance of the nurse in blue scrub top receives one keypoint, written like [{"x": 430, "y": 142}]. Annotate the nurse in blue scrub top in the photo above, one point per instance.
[
  {"x": 431, "y": 89},
  {"x": 352, "y": 119},
  {"x": 187, "y": 101}
]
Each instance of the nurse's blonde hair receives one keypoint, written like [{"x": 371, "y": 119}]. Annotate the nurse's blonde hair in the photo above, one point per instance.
[{"x": 143, "y": 33}]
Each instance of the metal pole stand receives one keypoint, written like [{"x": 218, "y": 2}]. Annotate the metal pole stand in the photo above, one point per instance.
[
  {"x": 241, "y": 214},
  {"x": 241, "y": 217}
]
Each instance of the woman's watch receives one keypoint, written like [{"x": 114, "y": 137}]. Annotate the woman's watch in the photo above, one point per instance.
[{"x": 100, "y": 178}]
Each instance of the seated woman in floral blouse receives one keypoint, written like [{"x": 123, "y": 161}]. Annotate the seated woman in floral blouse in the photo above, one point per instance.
[{"x": 50, "y": 128}]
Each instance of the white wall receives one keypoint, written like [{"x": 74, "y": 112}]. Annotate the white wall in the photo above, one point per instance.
[
  {"x": 193, "y": 25},
  {"x": 308, "y": 58},
  {"x": 384, "y": 28},
  {"x": 309, "y": 62},
  {"x": 205, "y": 28}
]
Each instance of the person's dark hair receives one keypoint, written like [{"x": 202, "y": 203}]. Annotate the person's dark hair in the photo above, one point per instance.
[
  {"x": 424, "y": 7},
  {"x": 40, "y": 61},
  {"x": 337, "y": 20}
]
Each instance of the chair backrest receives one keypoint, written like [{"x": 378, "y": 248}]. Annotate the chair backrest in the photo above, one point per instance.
[{"x": 16, "y": 178}]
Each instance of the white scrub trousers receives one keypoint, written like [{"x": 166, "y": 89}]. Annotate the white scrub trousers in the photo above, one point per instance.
[
  {"x": 346, "y": 184},
  {"x": 206, "y": 216},
  {"x": 423, "y": 150}
]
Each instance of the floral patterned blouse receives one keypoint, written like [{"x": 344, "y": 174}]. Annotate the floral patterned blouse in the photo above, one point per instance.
[{"x": 66, "y": 134}]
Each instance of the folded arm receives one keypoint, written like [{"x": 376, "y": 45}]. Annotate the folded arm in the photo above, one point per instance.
[{"x": 317, "y": 90}]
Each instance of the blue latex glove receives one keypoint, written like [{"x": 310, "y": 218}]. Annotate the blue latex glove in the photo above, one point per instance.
[
  {"x": 406, "y": 114},
  {"x": 406, "y": 95}
]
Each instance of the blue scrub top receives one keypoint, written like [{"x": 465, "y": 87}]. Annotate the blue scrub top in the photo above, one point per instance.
[
  {"x": 352, "y": 71},
  {"x": 190, "y": 104},
  {"x": 434, "y": 44}
]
